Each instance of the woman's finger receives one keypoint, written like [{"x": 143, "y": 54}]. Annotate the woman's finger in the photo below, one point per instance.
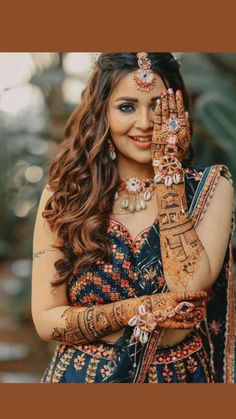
[
  {"x": 195, "y": 315},
  {"x": 173, "y": 324},
  {"x": 190, "y": 295},
  {"x": 164, "y": 106},
  {"x": 180, "y": 105},
  {"x": 172, "y": 103},
  {"x": 157, "y": 116}
]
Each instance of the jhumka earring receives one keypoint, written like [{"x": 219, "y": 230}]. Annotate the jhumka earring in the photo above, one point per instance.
[
  {"x": 112, "y": 151},
  {"x": 144, "y": 77}
]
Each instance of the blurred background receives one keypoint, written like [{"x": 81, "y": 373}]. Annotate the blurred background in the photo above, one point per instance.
[{"x": 38, "y": 91}]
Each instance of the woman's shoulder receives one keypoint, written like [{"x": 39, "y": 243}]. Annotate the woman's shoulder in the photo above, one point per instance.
[{"x": 209, "y": 186}]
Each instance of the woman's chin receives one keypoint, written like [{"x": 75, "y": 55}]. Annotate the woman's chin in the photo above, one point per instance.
[{"x": 144, "y": 158}]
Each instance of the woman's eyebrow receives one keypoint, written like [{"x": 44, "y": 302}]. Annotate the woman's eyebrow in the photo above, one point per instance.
[{"x": 133, "y": 99}]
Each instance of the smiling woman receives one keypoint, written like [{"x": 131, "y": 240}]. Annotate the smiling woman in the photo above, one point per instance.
[
  {"x": 131, "y": 275},
  {"x": 131, "y": 120}
]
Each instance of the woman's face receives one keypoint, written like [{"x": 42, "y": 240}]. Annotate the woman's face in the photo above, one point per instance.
[{"x": 131, "y": 117}]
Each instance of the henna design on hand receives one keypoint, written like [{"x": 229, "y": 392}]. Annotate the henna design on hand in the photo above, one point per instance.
[
  {"x": 170, "y": 108},
  {"x": 185, "y": 310}
]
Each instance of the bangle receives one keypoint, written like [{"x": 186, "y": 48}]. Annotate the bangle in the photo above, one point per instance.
[{"x": 145, "y": 322}]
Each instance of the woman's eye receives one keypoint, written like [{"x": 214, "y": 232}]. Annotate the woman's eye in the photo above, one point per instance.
[{"x": 126, "y": 107}]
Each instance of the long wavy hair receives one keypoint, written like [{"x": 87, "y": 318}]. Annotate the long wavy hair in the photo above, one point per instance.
[{"x": 82, "y": 176}]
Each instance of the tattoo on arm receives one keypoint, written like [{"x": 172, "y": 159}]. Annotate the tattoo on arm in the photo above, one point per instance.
[{"x": 37, "y": 255}]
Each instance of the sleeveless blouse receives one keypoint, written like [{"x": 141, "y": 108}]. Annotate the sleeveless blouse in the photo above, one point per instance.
[{"x": 135, "y": 269}]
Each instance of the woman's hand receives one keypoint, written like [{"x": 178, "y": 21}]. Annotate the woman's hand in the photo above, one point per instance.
[
  {"x": 171, "y": 133},
  {"x": 169, "y": 310},
  {"x": 179, "y": 310}
]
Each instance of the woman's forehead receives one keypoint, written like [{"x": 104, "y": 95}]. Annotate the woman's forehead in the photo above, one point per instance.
[{"x": 127, "y": 87}]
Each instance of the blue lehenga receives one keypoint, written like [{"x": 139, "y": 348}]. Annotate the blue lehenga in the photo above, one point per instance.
[{"x": 206, "y": 355}]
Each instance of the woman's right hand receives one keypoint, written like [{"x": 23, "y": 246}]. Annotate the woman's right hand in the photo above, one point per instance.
[{"x": 184, "y": 310}]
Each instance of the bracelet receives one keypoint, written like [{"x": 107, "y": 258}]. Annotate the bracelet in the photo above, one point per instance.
[
  {"x": 145, "y": 322},
  {"x": 168, "y": 170}
]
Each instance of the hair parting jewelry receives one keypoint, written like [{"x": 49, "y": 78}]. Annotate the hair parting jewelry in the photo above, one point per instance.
[{"x": 144, "y": 77}]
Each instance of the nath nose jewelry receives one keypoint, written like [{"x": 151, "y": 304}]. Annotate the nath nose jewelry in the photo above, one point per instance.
[{"x": 144, "y": 77}]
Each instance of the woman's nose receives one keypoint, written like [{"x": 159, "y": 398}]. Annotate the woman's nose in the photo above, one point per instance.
[{"x": 144, "y": 120}]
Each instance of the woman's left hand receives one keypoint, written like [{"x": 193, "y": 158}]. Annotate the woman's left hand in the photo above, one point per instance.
[{"x": 171, "y": 132}]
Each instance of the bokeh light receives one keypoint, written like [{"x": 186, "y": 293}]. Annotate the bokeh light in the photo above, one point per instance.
[
  {"x": 21, "y": 98},
  {"x": 77, "y": 63},
  {"x": 34, "y": 174}
]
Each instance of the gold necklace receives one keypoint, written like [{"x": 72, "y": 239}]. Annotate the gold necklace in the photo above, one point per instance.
[{"x": 135, "y": 193}]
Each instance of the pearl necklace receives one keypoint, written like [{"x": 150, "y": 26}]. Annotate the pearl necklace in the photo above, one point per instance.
[{"x": 136, "y": 193}]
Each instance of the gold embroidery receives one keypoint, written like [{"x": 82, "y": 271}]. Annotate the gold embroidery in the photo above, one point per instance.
[
  {"x": 205, "y": 366},
  {"x": 152, "y": 374},
  {"x": 47, "y": 376},
  {"x": 106, "y": 370},
  {"x": 91, "y": 370},
  {"x": 79, "y": 362},
  {"x": 63, "y": 365},
  {"x": 191, "y": 364},
  {"x": 180, "y": 371},
  {"x": 167, "y": 374}
]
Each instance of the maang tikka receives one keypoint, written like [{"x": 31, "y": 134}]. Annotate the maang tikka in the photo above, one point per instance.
[{"x": 144, "y": 77}]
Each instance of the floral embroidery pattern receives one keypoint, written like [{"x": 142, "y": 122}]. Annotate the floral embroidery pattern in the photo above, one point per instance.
[
  {"x": 91, "y": 370},
  {"x": 167, "y": 374},
  {"x": 192, "y": 364},
  {"x": 79, "y": 362},
  {"x": 215, "y": 327},
  {"x": 152, "y": 375},
  {"x": 63, "y": 364},
  {"x": 180, "y": 371},
  {"x": 106, "y": 370}
]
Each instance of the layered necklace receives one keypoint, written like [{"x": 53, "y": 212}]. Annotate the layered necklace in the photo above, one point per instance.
[{"x": 135, "y": 193}]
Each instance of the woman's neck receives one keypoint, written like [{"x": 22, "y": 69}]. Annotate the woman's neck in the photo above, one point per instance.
[{"x": 128, "y": 168}]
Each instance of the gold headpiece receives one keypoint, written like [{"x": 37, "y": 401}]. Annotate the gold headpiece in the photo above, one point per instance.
[{"x": 144, "y": 77}]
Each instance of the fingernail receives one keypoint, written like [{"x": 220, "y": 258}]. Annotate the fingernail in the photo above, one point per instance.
[
  {"x": 171, "y": 91},
  {"x": 179, "y": 92},
  {"x": 158, "y": 101}
]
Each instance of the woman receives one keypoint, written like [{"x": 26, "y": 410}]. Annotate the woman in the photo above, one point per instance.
[{"x": 130, "y": 240}]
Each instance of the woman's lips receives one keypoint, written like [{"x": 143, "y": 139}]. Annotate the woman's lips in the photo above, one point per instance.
[{"x": 141, "y": 142}]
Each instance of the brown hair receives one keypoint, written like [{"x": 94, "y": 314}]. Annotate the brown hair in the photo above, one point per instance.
[{"x": 82, "y": 176}]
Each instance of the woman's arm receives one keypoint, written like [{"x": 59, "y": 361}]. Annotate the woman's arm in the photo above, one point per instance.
[
  {"x": 192, "y": 257},
  {"x": 55, "y": 319}
]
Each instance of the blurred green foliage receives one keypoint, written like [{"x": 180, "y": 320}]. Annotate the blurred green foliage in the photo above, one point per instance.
[{"x": 211, "y": 81}]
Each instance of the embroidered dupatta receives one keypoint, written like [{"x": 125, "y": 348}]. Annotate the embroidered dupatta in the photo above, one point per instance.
[{"x": 218, "y": 328}]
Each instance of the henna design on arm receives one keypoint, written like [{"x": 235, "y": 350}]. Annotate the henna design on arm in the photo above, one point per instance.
[
  {"x": 181, "y": 248},
  {"x": 83, "y": 325}
]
